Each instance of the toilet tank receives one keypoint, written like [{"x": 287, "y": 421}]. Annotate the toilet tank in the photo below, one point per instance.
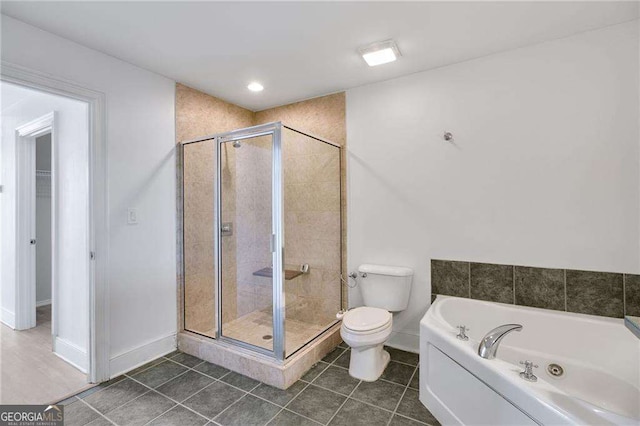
[{"x": 385, "y": 287}]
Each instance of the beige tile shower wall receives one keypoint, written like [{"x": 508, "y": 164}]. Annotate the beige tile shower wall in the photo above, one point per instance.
[
  {"x": 197, "y": 115},
  {"x": 324, "y": 117}
]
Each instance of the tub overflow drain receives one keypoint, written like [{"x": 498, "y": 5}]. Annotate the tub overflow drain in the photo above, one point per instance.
[
  {"x": 267, "y": 337},
  {"x": 555, "y": 370}
]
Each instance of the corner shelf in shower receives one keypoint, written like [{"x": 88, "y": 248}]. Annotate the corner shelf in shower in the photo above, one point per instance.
[{"x": 268, "y": 272}]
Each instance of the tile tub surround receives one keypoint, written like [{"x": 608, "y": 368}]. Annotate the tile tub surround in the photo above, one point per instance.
[
  {"x": 256, "y": 366},
  {"x": 183, "y": 390},
  {"x": 587, "y": 292}
]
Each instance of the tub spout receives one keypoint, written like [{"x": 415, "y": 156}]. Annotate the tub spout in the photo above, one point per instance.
[{"x": 490, "y": 343}]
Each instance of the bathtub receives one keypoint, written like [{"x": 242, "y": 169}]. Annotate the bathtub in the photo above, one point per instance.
[{"x": 600, "y": 358}]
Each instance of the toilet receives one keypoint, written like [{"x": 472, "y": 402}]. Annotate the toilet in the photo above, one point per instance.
[{"x": 385, "y": 289}]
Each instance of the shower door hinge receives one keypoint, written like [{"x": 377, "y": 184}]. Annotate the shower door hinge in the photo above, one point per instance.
[
  {"x": 272, "y": 243},
  {"x": 92, "y": 255}
]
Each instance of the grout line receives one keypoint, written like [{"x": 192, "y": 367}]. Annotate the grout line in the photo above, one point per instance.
[
  {"x": 197, "y": 365},
  {"x": 190, "y": 409},
  {"x": 131, "y": 400},
  {"x": 99, "y": 413},
  {"x": 565, "y": 289},
  {"x": 163, "y": 413},
  {"x": 307, "y": 384},
  {"x": 332, "y": 391},
  {"x": 126, "y": 402},
  {"x": 410, "y": 418},
  {"x": 397, "y": 362},
  {"x": 161, "y": 384},
  {"x": 221, "y": 377},
  {"x": 297, "y": 414},
  {"x": 149, "y": 387},
  {"x": 624, "y": 295},
  {"x": 469, "y": 278},
  {"x": 231, "y": 405},
  {"x": 179, "y": 403},
  {"x": 395, "y": 410},
  {"x": 364, "y": 402},
  {"x": 163, "y": 360},
  {"x": 513, "y": 282},
  {"x": 345, "y": 401}
]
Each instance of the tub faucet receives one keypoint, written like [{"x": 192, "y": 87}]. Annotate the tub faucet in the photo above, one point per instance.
[{"x": 489, "y": 344}]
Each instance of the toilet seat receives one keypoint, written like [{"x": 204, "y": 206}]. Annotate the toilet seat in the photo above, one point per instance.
[{"x": 366, "y": 319}]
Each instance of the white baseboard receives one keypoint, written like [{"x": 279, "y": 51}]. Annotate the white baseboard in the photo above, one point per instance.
[
  {"x": 43, "y": 303},
  {"x": 8, "y": 318},
  {"x": 71, "y": 353},
  {"x": 136, "y": 357}
]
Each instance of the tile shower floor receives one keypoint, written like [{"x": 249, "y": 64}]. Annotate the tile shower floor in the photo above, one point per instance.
[
  {"x": 253, "y": 327},
  {"x": 180, "y": 389}
]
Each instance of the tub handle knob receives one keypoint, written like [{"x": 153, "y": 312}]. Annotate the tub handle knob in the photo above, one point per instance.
[
  {"x": 527, "y": 374},
  {"x": 462, "y": 335}
]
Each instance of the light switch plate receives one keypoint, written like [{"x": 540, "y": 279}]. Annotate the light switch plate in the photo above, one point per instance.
[{"x": 132, "y": 216}]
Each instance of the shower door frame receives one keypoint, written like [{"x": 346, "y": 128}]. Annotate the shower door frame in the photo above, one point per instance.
[{"x": 277, "y": 235}]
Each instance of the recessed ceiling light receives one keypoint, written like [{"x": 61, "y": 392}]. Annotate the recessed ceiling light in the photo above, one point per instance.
[
  {"x": 380, "y": 53},
  {"x": 255, "y": 87}
]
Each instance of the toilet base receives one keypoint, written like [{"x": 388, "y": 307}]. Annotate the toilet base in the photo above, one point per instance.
[{"x": 368, "y": 363}]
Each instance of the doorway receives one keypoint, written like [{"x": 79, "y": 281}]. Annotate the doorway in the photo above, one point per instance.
[
  {"x": 43, "y": 235},
  {"x": 45, "y": 263}
]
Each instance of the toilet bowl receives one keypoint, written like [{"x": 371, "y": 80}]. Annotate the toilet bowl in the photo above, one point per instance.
[{"x": 365, "y": 330}]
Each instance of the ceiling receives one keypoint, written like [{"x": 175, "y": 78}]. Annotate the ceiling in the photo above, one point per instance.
[{"x": 303, "y": 49}]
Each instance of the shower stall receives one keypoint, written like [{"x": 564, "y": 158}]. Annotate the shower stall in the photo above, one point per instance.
[{"x": 261, "y": 238}]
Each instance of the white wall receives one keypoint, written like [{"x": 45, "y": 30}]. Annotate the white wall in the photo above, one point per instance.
[
  {"x": 72, "y": 132},
  {"x": 43, "y": 221},
  {"x": 141, "y": 174},
  {"x": 543, "y": 171}
]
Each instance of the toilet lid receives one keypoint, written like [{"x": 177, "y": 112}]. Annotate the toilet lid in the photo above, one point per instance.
[{"x": 365, "y": 318}]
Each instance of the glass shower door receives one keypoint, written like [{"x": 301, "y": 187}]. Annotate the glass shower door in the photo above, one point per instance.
[{"x": 245, "y": 240}]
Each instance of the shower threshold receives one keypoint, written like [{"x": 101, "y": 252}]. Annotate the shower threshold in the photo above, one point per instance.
[{"x": 279, "y": 374}]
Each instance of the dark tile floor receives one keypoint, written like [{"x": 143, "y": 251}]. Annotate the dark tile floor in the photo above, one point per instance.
[{"x": 183, "y": 390}]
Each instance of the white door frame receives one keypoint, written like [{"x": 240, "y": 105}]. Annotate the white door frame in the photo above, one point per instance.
[
  {"x": 25, "y": 146},
  {"x": 98, "y": 368}
]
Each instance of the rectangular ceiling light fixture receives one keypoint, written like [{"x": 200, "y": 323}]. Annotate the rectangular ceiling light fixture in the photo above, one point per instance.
[{"x": 380, "y": 53}]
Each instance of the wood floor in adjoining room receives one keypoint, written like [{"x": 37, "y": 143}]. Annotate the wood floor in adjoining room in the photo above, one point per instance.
[{"x": 30, "y": 373}]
